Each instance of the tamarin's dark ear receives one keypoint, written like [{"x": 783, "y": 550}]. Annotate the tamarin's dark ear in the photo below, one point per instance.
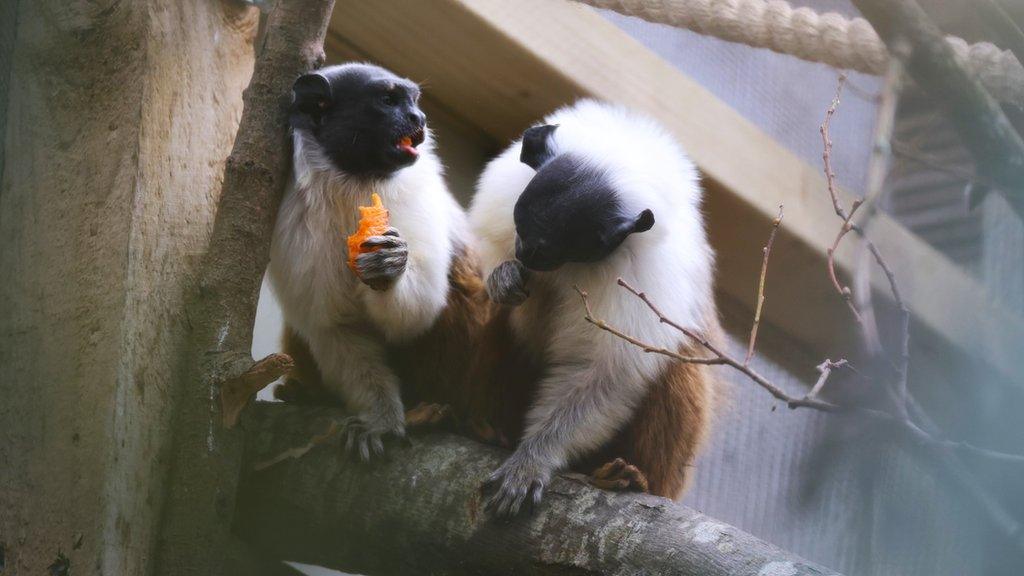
[
  {"x": 644, "y": 221},
  {"x": 311, "y": 92},
  {"x": 537, "y": 146}
]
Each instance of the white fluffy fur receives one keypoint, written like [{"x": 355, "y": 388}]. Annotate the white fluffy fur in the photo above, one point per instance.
[
  {"x": 594, "y": 380},
  {"x": 346, "y": 324}
]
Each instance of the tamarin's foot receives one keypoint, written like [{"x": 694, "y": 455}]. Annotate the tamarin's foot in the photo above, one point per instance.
[
  {"x": 426, "y": 415},
  {"x": 366, "y": 437},
  {"x": 517, "y": 484},
  {"x": 620, "y": 476},
  {"x": 482, "y": 430}
]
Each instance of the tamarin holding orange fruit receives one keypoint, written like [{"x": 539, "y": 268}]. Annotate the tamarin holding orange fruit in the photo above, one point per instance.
[{"x": 385, "y": 310}]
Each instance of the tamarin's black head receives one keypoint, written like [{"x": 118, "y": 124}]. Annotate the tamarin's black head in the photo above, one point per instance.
[
  {"x": 366, "y": 119},
  {"x": 570, "y": 210}
]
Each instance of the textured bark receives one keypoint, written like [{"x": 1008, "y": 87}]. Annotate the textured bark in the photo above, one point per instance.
[
  {"x": 119, "y": 116},
  {"x": 8, "y": 31},
  {"x": 997, "y": 149},
  {"x": 420, "y": 512},
  {"x": 195, "y": 533}
]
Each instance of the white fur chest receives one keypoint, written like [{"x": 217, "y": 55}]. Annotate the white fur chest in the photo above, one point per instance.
[
  {"x": 553, "y": 318},
  {"x": 308, "y": 266},
  {"x": 309, "y": 253}
]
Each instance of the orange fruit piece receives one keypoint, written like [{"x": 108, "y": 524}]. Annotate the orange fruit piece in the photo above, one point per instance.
[{"x": 373, "y": 221}]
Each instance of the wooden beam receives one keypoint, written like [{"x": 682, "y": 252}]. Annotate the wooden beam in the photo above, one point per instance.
[
  {"x": 116, "y": 120},
  {"x": 501, "y": 66}
]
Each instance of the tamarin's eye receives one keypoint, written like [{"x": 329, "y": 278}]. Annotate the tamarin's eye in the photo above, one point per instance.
[{"x": 391, "y": 99}]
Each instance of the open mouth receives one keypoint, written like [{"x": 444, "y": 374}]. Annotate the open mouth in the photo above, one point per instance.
[{"x": 409, "y": 142}]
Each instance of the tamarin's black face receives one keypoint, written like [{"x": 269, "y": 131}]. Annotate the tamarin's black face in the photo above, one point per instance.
[
  {"x": 570, "y": 211},
  {"x": 364, "y": 117}
]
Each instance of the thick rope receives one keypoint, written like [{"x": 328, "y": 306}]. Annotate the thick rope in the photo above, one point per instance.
[{"x": 828, "y": 38}]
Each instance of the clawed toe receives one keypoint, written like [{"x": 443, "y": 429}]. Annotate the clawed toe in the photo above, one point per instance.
[
  {"x": 427, "y": 415},
  {"x": 511, "y": 493},
  {"x": 361, "y": 440},
  {"x": 619, "y": 475}
]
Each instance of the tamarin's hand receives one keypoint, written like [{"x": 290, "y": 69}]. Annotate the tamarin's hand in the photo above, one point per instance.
[
  {"x": 519, "y": 480},
  {"x": 507, "y": 283},
  {"x": 382, "y": 267}
]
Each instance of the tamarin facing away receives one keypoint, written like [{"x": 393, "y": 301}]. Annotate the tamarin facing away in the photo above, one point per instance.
[
  {"x": 399, "y": 322},
  {"x": 595, "y": 194}
]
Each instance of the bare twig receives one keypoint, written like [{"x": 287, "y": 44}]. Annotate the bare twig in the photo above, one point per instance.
[
  {"x": 824, "y": 371},
  {"x": 299, "y": 451},
  {"x": 876, "y": 180},
  {"x": 837, "y": 204},
  {"x": 645, "y": 347},
  {"x": 900, "y": 420},
  {"x": 767, "y": 251},
  {"x": 719, "y": 356}
]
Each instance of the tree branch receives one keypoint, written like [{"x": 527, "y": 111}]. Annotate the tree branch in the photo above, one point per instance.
[
  {"x": 420, "y": 512},
  {"x": 759, "y": 302},
  {"x": 986, "y": 132},
  {"x": 866, "y": 329},
  {"x": 195, "y": 527}
]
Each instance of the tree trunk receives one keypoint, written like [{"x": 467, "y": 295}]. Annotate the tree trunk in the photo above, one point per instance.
[
  {"x": 195, "y": 529},
  {"x": 420, "y": 512},
  {"x": 119, "y": 116}
]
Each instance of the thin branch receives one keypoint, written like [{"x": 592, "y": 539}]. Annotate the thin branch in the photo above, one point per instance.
[
  {"x": 910, "y": 429},
  {"x": 848, "y": 226},
  {"x": 904, "y": 402},
  {"x": 766, "y": 251},
  {"x": 837, "y": 204},
  {"x": 824, "y": 371},
  {"x": 299, "y": 451},
  {"x": 877, "y": 173},
  {"x": 900, "y": 420},
  {"x": 645, "y": 347},
  {"x": 719, "y": 357}
]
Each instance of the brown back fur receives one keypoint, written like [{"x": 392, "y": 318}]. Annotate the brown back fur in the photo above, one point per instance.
[{"x": 665, "y": 433}]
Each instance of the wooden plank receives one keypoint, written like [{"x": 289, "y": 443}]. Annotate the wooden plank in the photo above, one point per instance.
[{"x": 501, "y": 65}]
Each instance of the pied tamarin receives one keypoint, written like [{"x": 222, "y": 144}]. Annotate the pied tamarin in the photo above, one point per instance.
[
  {"x": 399, "y": 324},
  {"x": 594, "y": 194}
]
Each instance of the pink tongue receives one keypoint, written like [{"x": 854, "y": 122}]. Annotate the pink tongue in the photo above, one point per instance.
[{"x": 406, "y": 145}]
